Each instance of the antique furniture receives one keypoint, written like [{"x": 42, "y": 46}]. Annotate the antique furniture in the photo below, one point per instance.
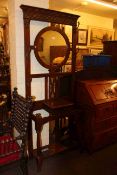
[
  {"x": 47, "y": 54},
  {"x": 12, "y": 147},
  {"x": 98, "y": 101},
  {"x": 109, "y": 48}
]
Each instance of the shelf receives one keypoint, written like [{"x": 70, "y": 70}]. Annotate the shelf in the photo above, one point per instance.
[{"x": 56, "y": 148}]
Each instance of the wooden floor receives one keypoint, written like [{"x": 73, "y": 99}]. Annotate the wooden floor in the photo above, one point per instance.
[{"x": 102, "y": 162}]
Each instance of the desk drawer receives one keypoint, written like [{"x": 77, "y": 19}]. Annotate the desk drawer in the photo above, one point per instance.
[
  {"x": 102, "y": 139},
  {"x": 106, "y": 124},
  {"x": 104, "y": 112}
]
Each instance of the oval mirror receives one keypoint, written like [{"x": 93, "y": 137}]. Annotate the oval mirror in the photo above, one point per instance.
[{"x": 51, "y": 47}]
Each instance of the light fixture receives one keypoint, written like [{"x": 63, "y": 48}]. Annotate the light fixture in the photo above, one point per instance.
[
  {"x": 103, "y": 4},
  {"x": 84, "y": 3}
]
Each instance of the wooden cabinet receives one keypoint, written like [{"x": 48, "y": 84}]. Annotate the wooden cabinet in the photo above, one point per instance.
[
  {"x": 98, "y": 101},
  {"x": 110, "y": 48}
]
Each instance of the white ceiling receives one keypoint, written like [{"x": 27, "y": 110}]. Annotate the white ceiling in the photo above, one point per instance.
[
  {"x": 75, "y": 5},
  {"x": 90, "y": 8}
]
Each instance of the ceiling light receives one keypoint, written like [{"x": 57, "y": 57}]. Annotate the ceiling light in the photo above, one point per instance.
[
  {"x": 103, "y": 3},
  {"x": 84, "y": 3}
]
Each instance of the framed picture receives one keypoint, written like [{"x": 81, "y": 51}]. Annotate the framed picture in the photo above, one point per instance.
[
  {"x": 95, "y": 51},
  {"x": 82, "y": 36},
  {"x": 98, "y": 35}
]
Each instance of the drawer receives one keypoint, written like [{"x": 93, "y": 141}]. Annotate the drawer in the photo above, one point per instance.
[
  {"x": 106, "y": 124},
  {"x": 104, "y": 112},
  {"x": 105, "y": 138}
]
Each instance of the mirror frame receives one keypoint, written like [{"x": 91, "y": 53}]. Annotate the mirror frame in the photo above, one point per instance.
[
  {"x": 36, "y": 42},
  {"x": 31, "y": 13}
]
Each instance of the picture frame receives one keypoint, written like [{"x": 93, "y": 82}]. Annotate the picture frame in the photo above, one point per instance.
[
  {"x": 82, "y": 37},
  {"x": 95, "y": 51},
  {"x": 98, "y": 35}
]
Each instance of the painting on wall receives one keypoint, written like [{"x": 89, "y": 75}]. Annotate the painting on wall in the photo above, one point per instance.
[
  {"x": 82, "y": 36},
  {"x": 98, "y": 35},
  {"x": 96, "y": 51}
]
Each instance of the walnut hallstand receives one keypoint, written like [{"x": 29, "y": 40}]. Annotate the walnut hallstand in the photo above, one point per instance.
[{"x": 57, "y": 103}]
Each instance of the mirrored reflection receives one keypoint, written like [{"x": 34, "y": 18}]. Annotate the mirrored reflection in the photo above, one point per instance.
[{"x": 51, "y": 47}]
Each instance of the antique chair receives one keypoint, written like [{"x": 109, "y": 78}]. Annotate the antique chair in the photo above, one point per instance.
[{"x": 13, "y": 134}]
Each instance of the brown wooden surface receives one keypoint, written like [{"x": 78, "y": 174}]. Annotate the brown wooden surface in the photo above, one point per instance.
[
  {"x": 100, "y": 116},
  {"x": 47, "y": 15},
  {"x": 110, "y": 48},
  {"x": 58, "y": 103},
  {"x": 52, "y": 79}
]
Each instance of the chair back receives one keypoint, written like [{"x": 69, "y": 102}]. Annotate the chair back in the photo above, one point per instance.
[
  {"x": 20, "y": 109},
  {"x": 13, "y": 144}
]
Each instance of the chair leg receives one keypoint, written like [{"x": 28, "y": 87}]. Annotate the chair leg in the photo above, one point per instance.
[{"x": 24, "y": 165}]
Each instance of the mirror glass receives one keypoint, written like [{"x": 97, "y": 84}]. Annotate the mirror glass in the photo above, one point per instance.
[{"x": 51, "y": 47}]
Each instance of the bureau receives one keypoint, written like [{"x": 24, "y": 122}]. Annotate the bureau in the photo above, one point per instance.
[{"x": 98, "y": 101}]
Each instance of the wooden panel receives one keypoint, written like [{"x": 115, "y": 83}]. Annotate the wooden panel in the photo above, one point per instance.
[
  {"x": 110, "y": 48},
  {"x": 104, "y": 111},
  {"x": 104, "y": 138},
  {"x": 100, "y": 91},
  {"x": 47, "y": 15},
  {"x": 100, "y": 116},
  {"x": 105, "y": 124}
]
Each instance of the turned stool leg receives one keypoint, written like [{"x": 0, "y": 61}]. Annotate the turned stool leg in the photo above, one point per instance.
[
  {"x": 38, "y": 127},
  {"x": 39, "y": 157}
]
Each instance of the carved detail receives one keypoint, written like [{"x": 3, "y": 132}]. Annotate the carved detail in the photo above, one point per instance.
[{"x": 47, "y": 15}]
